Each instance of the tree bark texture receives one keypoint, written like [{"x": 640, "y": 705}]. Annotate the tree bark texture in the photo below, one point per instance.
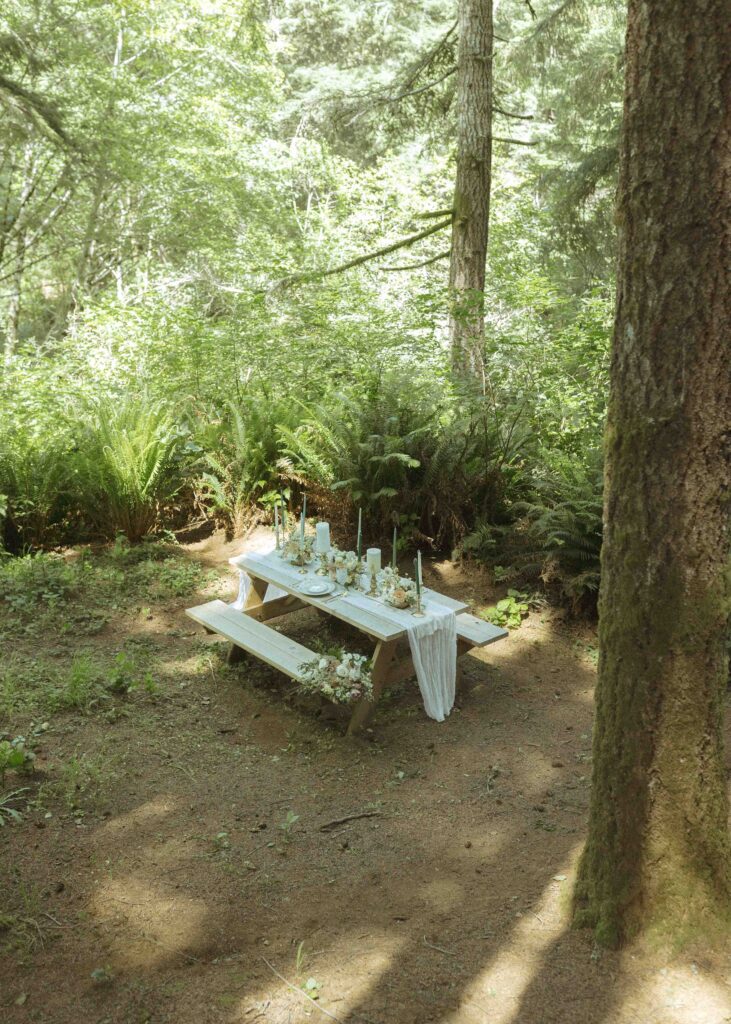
[
  {"x": 472, "y": 185},
  {"x": 657, "y": 856}
]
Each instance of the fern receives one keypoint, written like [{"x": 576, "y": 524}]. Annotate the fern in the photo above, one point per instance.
[
  {"x": 127, "y": 465},
  {"x": 242, "y": 460}
]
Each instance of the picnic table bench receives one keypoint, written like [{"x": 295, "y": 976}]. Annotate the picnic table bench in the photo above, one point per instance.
[{"x": 391, "y": 661}]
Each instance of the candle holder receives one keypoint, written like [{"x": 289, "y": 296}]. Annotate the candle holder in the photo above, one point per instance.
[
  {"x": 372, "y": 589},
  {"x": 418, "y": 611}
]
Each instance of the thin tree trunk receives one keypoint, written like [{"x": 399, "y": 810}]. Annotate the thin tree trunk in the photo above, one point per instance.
[
  {"x": 658, "y": 853},
  {"x": 18, "y": 243},
  {"x": 472, "y": 185}
]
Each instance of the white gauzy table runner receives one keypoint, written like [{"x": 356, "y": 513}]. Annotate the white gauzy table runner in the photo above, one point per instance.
[
  {"x": 272, "y": 592},
  {"x": 433, "y": 643}
]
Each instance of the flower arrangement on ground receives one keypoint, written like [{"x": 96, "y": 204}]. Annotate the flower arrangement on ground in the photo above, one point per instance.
[
  {"x": 342, "y": 678},
  {"x": 398, "y": 592}
]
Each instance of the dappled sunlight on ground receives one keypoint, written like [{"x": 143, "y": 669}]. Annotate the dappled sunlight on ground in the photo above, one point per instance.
[
  {"x": 152, "y": 810},
  {"x": 679, "y": 995},
  {"x": 495, "y": 993},
  {"x": 147, "y": 925},
  {"x": 172, "y": 867}
]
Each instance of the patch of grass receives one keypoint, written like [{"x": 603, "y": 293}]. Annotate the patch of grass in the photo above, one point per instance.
[
  {"x": 79, "y": 688},
  {"x": 79, "y": 776},
  {"x": 86, "y": 684},
  {"x": 45, "y": 595},
  {"x": 23, "y": 926},
  {"x": 45, "y": 580},
  {"x": 174, "y": 577}
]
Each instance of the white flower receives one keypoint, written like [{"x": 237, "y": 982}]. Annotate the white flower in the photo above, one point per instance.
[
  {"x": 323, "y": 663},
  {"x": 341, "y": 671},
  {"x": 354, "y": 674}
]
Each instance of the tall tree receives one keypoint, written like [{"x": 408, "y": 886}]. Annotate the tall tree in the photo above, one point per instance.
[
  {"x": 658, "y": 852},
  {"x": 472, "y": 184}
]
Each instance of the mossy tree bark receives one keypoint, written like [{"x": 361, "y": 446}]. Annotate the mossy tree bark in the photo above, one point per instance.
[
  {"x": 472, "y": 184},
  {"x": 657, "y": 855}
]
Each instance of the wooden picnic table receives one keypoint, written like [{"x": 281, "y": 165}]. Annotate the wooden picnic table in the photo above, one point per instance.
[{"x": 391, "y": 660}]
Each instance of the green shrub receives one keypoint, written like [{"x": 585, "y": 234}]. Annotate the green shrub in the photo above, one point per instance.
[
  {"x": 128, "y": 469},
  {"x": 35, "y": 478},
  {"x": 15, "y": 756},
  {"x": 369, "y": 443},
  {"x": 563, "y": 526},
  {"x": 508, "y": 612},
  {"x": 240, "y": 461},
  {"x": 33, "y": 580}
]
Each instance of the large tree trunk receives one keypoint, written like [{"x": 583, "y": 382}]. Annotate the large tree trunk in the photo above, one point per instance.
[
  {"x": 657, "y": 855},
  {"x": 472, "y": 186}
]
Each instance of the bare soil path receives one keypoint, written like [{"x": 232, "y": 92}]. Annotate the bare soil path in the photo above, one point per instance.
[{"x": 190, "y": 878}]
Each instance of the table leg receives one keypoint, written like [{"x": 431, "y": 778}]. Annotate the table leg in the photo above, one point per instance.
[
  {"x": 463, "y": 646},
  {"x": 382, "y": 659},
  {"x": 254, "y": 599}
]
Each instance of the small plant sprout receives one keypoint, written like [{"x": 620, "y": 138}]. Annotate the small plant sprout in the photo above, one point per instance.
[
  {"x": 221, "y": 841},
  {"x": 288, "y": 824}
]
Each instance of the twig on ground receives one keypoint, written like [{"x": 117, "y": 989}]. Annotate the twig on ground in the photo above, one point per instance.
[
  {"x": 302, "y": 993},
  {"x": 348, "y": 817},
  {"x": 447, "y": 952}
]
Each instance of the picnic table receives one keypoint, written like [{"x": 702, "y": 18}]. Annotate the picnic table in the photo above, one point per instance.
[{"x": 391, "y": 660}]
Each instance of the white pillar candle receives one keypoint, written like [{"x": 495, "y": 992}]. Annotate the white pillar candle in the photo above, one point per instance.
[
  {"x": 373, "y": 560},
  {"x": 322, "y": 538}
]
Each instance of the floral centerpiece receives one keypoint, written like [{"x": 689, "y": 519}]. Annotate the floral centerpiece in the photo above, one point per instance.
[
  {"x": 398, "y": 592},
  {"x": 295, "y": 551},
  {"x": 347, "y": 566},
  {"x": 342, "y": 678}
]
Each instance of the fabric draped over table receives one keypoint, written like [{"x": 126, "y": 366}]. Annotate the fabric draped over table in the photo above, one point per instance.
[
  {"x": 272, "y": 592},
  {"x": 433, "y": 643}
]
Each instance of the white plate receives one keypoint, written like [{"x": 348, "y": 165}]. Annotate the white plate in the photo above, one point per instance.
[{"x": 317, "y": 588}]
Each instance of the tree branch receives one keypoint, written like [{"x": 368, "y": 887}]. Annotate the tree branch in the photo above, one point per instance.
[
  {"x": 429, "y": 57},
  {"x": 435, "y": 213},
  {"x": 509, "y": 113},
  {"x": 515, "y": 142},
  {"x": 37, "y": 105},
  {"x": 313, "y": 275},
  {"x": 424, "y": 263},
  {"x": 424, "y": 88}
]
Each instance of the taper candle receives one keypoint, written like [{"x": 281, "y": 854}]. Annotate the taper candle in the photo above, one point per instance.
[
  {"x": 393, "y": 555},
  {"x": 359, "y": 547}
]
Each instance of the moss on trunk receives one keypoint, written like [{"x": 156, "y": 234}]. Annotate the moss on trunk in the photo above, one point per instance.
[{"x": 658, "y": 853}]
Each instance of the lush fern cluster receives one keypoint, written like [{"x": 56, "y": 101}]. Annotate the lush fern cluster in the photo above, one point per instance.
[{"x": 452, "y": 468}]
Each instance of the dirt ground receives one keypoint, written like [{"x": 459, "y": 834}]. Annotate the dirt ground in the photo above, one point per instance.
[{"x": 195, "y": 882}]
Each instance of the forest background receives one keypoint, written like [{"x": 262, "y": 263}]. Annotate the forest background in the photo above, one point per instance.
[{"x": 169, "y": 167}]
